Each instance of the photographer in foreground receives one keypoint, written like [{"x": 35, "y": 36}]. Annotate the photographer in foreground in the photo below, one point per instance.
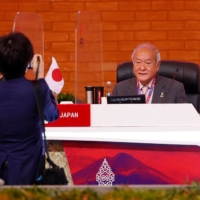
[{"x": 21, "y": 143}]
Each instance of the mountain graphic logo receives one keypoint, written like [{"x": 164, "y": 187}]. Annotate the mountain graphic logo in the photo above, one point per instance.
[{"x": 126, "y": 169}]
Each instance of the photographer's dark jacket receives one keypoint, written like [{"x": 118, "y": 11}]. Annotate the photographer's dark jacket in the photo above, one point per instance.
[{"x": 21, "y": 143}]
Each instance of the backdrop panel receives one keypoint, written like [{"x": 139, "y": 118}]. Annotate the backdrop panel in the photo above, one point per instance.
[{"x": 132, "y": 163}]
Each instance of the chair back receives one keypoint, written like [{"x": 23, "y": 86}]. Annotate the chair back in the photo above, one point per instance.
[{"x": 188, "y": 74}]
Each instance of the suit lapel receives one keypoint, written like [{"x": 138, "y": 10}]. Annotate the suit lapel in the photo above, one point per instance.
[
  {"x": 132, "y": 87},
  {"x": 160, "y": 90}
]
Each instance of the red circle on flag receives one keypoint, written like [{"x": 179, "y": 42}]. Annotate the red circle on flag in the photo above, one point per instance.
[{"x": 56, "y": 75}]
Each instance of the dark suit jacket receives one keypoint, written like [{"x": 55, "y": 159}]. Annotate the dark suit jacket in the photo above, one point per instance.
[
  {"x": 21, "y": 143},
  {"x": 176, "y": 94}
]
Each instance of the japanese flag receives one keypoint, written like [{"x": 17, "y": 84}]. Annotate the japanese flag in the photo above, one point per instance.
[{"x": 54, "y": 77}]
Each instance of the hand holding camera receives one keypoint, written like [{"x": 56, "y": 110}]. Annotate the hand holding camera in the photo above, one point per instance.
[{"x": 38, "y": 66}]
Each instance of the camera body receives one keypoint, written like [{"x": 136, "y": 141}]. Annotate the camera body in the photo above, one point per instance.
[{"x": 30, "y": 65}]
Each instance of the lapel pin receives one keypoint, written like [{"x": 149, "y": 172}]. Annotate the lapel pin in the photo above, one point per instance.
[{"x": 162, "y": 94}]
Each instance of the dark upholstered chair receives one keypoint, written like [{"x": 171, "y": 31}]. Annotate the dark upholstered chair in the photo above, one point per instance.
[{"x": 188, "y": 74}]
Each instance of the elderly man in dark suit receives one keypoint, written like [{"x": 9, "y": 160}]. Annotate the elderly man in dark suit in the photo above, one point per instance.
[{"x": 146, "y": 61}]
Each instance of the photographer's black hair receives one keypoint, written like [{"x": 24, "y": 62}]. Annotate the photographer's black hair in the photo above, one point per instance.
[{"x": 16, "y": 51}]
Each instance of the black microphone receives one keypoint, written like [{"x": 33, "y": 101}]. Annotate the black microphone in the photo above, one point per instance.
[{"x": 175, "y": 73}]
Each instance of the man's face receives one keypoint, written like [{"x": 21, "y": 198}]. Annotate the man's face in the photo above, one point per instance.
[{"x": 145, "y": 67}]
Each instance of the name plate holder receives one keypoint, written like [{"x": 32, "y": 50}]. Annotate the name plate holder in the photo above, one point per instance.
[{"x": 72, "y": 115}]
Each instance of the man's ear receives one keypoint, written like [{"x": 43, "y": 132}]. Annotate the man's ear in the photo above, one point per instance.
[{"x": 158, "y": 65}]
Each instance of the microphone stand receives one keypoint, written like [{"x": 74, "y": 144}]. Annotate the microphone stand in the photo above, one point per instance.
[{"x": 175, "y": 73}]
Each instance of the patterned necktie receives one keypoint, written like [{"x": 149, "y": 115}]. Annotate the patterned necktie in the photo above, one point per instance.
[{"x": 144, "y": 90}]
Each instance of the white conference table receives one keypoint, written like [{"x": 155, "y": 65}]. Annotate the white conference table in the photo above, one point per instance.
[
  {"x": 148, "y": 135},
  {"x": 161, "y": 124}
]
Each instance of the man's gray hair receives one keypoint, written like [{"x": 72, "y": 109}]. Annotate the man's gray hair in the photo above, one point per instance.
[{"x": 158, "y": 57}]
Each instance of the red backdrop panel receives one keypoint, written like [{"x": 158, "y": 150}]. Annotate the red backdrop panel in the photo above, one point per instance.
[{"x": 133, "y": 163}]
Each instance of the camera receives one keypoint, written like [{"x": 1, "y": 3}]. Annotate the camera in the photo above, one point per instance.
[{"x": 30, "y": 65}]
